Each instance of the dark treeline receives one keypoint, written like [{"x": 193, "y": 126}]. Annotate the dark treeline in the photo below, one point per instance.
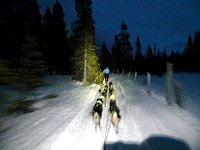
[
  {"x": 124, "y": 57},
  {"x": 55, "y": 41},
  {"x": 20, "y": 43},
  {"x": 32, "y": 44}
]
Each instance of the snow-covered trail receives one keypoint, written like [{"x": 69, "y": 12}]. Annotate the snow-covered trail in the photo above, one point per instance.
[
  {"x": 128, "y": 130},
  {"x": 65, "y": 122},
  {"x": 148, "y": 116},
  {"x": 68, "y": 113}
]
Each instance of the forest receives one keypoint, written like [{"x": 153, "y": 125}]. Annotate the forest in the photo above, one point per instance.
[{"x": 32, "y": 45}]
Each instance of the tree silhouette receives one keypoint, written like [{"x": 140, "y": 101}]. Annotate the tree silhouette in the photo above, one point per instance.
[
  {"x": 191, "y": 53},
  {"x": 60, "y": 42},
  {"x": 30, "y": 65},
  {"x": 105, "y": 57},
  {"x": 122, "y": 53},
  {"x": 139, "y": 61},
  {"x": 21, "y": 21},
  {"x": 48, "y": 40},
  {"x": 149, "y": 59}
]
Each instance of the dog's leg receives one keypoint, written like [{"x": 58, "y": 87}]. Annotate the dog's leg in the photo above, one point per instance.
[
  {"x": 99, "y": 124},
  {"x": 115, "y": 121},
  {"x": 97, "y": 121}
]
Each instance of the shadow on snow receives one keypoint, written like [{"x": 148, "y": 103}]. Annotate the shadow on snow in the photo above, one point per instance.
[{"x": 158, "y": 142}]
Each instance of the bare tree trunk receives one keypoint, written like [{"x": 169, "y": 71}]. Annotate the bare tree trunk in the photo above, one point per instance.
[
  {"x": 85, "y": 67},
  {"x": 85, "y": 60}
]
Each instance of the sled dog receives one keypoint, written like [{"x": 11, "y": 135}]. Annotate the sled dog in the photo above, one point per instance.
[
  {"x": 110, "y": 85},
  {"x": 112, "y": 95},
  {"x": 104, "y": 93},
  {"x": 111, "y": 89},
  {"x": 102, "y": 97},
  {"x": 104, "y": 88},
  {"x": 97, "y": 112},
  {"x": 115, "y": 114}
]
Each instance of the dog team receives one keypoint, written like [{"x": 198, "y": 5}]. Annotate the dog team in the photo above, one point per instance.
[{"x": 105, "y": 91}]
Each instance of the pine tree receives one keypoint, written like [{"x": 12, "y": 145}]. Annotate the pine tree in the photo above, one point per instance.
[
  {"x": 164, "y": 59},
  {"x": 60, "y": 42},
  {"x": 21, "y": 20},
  {"x": 5, "y": 72},
  {"x": 85, "y": 56},
  {"x": 158, "y": 69},
  {"x": 174, "y": 58},
  {"x": 122, "y": 52},
  {"x": 139, "y": 58},
  {"x": 149, "y": 59},
  {"x": 116, "y": 56},
  {"x": 191, "y": 53},
  {"x": 12, "y": 29},
  {"x": 48, "y": 40},
  {"x": 138, "y": 45},
  {"x": 30, "y": 65},
  {"x": 196, "y": 51},
  {"x": 35, "y": 19},
  {"x": 105, "y": 57}
]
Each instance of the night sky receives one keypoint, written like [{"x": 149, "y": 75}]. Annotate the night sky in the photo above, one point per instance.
[{"x": 168, "y": 23}]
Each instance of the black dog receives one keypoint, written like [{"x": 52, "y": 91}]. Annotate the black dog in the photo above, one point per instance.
[
  {"x": 104, "y": 88},
  {"x": 111, "y": 89},
  {"x": 115, "y": 114},
  {"x": 97, "y": 112},
  {"x": 110, "y": 85},
  {"x": 114, "y": 107},
  {"x": 104, "y": 91}
]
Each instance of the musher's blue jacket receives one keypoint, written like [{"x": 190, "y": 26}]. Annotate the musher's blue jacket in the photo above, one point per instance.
[{"x": 106, "y": 71}]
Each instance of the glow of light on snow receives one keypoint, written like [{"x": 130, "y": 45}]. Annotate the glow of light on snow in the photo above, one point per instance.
[{"x": 65, "y": 122}]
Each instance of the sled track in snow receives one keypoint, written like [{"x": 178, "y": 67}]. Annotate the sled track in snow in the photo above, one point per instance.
[
  {"x": 126, "y": 127},
  {"x": 82, "y": 120}
]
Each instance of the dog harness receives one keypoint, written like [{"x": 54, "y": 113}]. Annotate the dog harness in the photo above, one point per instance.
[
  {"x": 102, "y": 97},
  {"x": 100, "y": 101}
]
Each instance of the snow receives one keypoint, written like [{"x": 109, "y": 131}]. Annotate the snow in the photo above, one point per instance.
[{"x": 65, "y": 122}]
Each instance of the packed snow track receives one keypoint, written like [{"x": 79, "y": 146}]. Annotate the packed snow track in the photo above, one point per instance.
[{"x": 65, "y": 122}]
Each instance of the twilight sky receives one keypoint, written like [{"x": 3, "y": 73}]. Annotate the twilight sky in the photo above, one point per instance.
[{"x": 168, "y": 23}]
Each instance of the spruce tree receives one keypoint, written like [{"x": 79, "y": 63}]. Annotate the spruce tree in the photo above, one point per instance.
[
  {"x": 149, "y": 59},
  {"x": 139, "y": 58},
  {"x": 5, "y": 72},
  {"x": 116, "y": 57},
  {"x": 158, "y": 65},
  {"x": 12, "y": 29},
  {"x": 85, "y": 56},
  {"x": 30, "y": 65},
  {"x": 164, "y": 59},
  {"x": 48, "y": 40},
  {"x": 196, "y": 52},
  {"x": 122, "y": 52},
  {"x": 105, "y": 57},
  {"x": 21, "y": 20},
  {"x": 35, "y": 19},
  {"x": 60, "y": 41}
]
